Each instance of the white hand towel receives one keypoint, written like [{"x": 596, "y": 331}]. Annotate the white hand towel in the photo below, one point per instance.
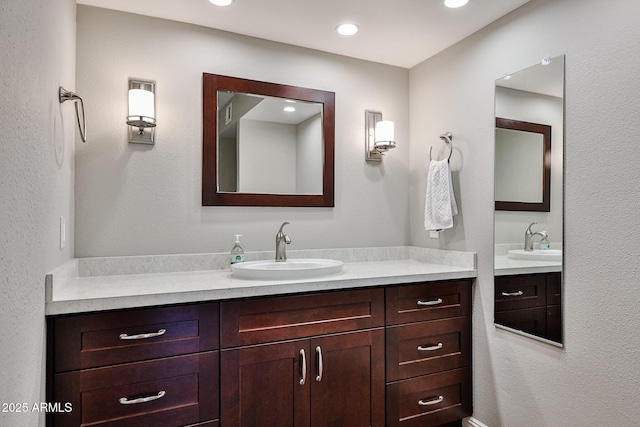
[{"x": 440, "y": 202}]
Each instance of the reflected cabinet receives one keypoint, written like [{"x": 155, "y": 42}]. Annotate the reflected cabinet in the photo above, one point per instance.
[{"x": 530, "y": 303}]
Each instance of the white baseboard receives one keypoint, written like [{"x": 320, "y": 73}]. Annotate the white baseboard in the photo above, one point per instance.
[{"x": 472, "y": 422}]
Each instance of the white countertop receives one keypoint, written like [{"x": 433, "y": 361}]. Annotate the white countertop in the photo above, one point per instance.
[
  {"x": 68, "y": 292},
  {"x": 505, "y": 266}
]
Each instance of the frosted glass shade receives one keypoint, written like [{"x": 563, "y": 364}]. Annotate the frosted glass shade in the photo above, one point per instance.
[
  {"x": 141, "y": 105},
  {"x": 384, "y": 131}
]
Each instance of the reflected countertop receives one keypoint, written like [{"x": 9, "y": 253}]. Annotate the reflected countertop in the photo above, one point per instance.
[{"x": 505, "y": 266}]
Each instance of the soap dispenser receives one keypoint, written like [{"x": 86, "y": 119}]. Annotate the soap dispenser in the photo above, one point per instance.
[
  {"x": 544, "y": 242},
  {"x": 237, "y": 253}
]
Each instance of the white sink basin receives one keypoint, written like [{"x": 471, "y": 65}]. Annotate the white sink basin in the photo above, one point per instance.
[
  {"x": 291, "y": 269},
  {"x": 536, "y": 254}
]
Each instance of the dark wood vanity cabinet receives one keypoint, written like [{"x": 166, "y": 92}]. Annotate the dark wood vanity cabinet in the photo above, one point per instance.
[
  {"x": 428, "y": 366},
  {"x": 325, "y": 369},
  {"x": 395, "y": 356},
  {"x": 141, "y": 367},
  {"x": 530, "y": 303}
]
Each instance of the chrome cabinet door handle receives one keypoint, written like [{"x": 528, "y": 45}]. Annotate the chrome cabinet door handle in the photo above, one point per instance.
[
  {"x": 512, "y": 294},
  {"x": 125, "y": 401},
  {"x": 320, "y": 367},
  {"x": 430, "y": 303},
  {"x": 303, "y": 360},
  {"x": 435, "y": 401},
  {"x": 143, "y": 336},
  {"x": 432, "y": 348}
]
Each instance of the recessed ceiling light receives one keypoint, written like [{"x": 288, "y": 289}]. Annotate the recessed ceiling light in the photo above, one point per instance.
[
  {"x": 347, "y": 29},
  {"x": 455, "y": 3},
  {"x": 221, "y": 2},
  {"x": 289, "y": 109}
]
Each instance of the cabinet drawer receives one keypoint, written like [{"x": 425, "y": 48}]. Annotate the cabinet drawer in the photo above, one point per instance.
[
  {"x": 428, "y": 347},
  {"x": 174, "y": 391},
  {"x": 430, "y": 400},
  {"x": 100, "y": 339},
  {"x": 428, "y": 301},
  {"x": 522, "y": 291},
  {"x": 260, "y": 320},
  {"x": 530, "y": 320}
]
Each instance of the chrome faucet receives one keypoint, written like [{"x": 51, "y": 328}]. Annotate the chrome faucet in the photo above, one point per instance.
[
  {"x": 282, "y": 240},
  {"x": 528, "y": 237}
]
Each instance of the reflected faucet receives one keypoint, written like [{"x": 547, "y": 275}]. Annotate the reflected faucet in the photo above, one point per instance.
[
  {"x": 282, "y": 240},
  {"x": 528, "y": 237}
]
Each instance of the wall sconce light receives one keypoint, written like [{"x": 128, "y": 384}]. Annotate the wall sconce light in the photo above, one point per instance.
[
  {"x": 379, "y": 136},
  {"x": 142, "y": 111}
]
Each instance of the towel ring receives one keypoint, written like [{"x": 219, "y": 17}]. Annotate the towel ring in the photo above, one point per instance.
[
  {"x": 65, "y": 95},
  {"x": 446, "y": 137}
]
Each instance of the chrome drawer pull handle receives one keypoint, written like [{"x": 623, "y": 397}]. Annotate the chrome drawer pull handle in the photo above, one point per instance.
[
  {"x": 143, "y": 336},
  {"x": 303, "y": 380},
  {"x": 428, "y": 303},
  {"x": 432, "y": 348},
  {"x": 435, "y": 401},
  {"x": 512, "y": 294},
  {"x": 319, "y": 353},
  {"x": 125, "y": 401}
]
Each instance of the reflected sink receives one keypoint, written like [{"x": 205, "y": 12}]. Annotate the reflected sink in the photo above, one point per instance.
[
  {"x": 537, "y": 254},
  {"x": 291, "y": 269}
]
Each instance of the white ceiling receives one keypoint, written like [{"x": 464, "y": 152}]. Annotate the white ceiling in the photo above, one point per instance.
[{"x": 396, "y": 32}]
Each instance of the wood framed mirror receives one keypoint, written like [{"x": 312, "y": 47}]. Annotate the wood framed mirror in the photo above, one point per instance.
[
  {"x": 523, "y": 166},
  {"x": 266, "y": 144}
]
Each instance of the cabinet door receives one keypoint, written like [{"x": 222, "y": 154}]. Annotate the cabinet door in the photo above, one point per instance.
[
  {"x": 347, "y": 382},
  {"x": 266, "y": 385}
]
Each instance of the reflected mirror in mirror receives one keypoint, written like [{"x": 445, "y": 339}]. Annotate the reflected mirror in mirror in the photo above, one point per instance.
[
  {"x": 522, "y": 165},
  {"x": 529, "y": 110},
  {"x": 266, "y": 144}
]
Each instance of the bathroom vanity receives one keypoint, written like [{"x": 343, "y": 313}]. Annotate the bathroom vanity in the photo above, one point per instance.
[
  {"x": 384, "y": 343},
  {"x": 530, "y": 303}
]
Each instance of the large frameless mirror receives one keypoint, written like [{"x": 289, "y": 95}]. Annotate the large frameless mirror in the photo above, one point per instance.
[
  {"x": 528, "y": 227},
  {"x": 266, "y": 144}
]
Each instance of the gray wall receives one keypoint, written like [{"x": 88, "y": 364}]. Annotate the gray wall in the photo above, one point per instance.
[
  {"x": 37, "y": 47},
  {"x": 138, "y": 200},
  {"x": 595, "y": 380},
  {"x": 266, "y": 157},
  {"x": 309, "y": 156}
]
